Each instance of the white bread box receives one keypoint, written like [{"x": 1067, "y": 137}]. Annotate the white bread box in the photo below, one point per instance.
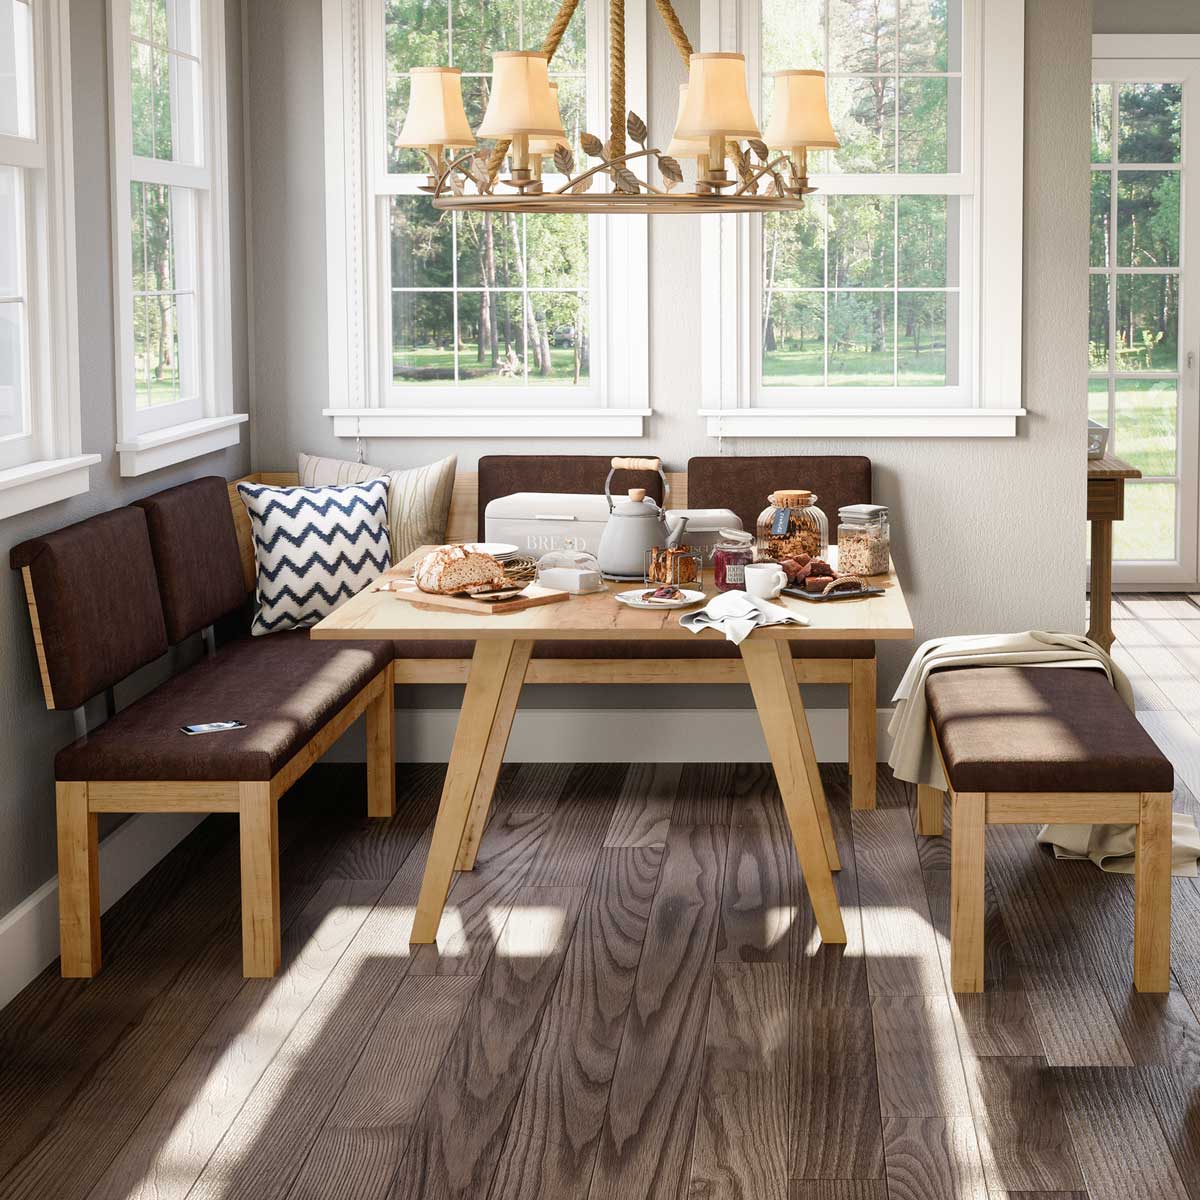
[{"x": 538, "y": 522}]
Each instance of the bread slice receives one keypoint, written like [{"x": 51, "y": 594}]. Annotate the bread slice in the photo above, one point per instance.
[{"x": 450, "y": 569}]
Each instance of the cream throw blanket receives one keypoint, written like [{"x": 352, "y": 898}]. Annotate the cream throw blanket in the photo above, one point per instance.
[{"x": 913, "y": 757}]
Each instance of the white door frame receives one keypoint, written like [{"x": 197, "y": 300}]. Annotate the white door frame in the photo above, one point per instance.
[{"x": 1167, "y": 59}]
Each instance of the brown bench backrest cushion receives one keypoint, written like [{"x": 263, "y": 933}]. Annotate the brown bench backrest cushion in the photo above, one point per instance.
[
  {"x": 575, "y": 474},
  {"x": 97, "y": 602},
  {"x": 196, "y": 554},
  {"x": 744, "y": 484}
]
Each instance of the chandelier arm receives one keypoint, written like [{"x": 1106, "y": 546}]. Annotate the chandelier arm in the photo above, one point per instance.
[
  {"x": 444, "y": 176},
  {"x": 604, "y": 166},
  {"x": 616, "y": 72},
  {"x": 679, "y": 36},
  {"x": 766, "y": 169}
]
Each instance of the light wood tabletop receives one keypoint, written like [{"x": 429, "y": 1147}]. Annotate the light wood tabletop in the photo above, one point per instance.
[
  {"x": 379, "y": 614},
  {"x": 502, "y": 651}
]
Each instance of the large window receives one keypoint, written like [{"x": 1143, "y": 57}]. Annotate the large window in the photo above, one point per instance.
[
  {"x": 866, "y": 302},
  {"x": 472, "y": 323},
  {"x": 170, "y": 212},
  {"x": 40, "y": 459}
]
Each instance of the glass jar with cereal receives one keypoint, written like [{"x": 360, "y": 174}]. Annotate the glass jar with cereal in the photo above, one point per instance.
[
  {"x": 864, "y": 540},
  {"x": 790, "y": 525}
]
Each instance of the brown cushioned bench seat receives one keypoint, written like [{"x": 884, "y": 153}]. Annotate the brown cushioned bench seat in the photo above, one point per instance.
[
  {"x": 698, "y": 647},
  {"x": 286, "y": 688},
  {"x": 1041, "y": 729}
]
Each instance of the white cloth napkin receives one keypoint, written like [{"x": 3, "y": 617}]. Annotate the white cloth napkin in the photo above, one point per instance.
[{"x": 738, "y": 614}]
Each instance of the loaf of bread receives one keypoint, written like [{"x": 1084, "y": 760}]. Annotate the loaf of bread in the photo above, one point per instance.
[{"x": 450, "y": 569}]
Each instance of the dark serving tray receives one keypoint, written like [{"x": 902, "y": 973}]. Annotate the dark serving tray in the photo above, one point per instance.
[{"x": 817, "y": 598}]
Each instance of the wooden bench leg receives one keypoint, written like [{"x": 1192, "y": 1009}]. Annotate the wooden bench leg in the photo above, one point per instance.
[
  {"x": 258, "y": 831},
  {"x": 930, "y": 811},
  {"x": 966, "y": 891},
  {"x": 1152, "y": 900},
  {"x": 493, "y": 757},
  {"x": 381, "y": 751},
  {"x": 862, "y": 733},
  {"x": 78, "y": 883}
]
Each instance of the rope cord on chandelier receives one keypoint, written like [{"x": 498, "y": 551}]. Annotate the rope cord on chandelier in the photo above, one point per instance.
[{"x": 616, "y": 33}]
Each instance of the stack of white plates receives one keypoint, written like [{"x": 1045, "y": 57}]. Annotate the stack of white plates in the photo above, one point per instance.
[{"x": 502, "y": 552}]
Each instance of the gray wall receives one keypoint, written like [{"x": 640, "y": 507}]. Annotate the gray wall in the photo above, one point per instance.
[
  {"x": 1146, "y": 16},
  {"x": 29, "y": 735},
  {"x": 970, "y": 516}
]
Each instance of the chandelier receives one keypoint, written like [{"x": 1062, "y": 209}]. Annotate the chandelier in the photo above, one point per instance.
[{"x": 522, "y": 121}]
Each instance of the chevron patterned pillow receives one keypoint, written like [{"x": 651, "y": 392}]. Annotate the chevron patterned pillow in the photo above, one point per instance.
[{"x": 315, "y": 547}]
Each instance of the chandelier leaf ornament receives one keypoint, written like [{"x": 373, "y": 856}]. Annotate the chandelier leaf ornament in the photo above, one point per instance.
[{"x": 715, "y": 126}]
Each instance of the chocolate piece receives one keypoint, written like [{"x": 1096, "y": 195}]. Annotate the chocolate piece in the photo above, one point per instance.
[{"x": 817, "y": 583}]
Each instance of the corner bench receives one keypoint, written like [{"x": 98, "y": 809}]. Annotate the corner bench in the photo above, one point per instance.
[
  {"x": 108, "y": 596},
  {"x": 1031, "y": 745}
]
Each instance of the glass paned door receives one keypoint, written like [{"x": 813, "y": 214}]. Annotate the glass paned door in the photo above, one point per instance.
[{"x": 1143, "y": 328}]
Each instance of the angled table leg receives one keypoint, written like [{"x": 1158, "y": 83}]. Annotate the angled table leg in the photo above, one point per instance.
[
  {"x": 769, "y": 667},
  {"x": 481, "y": 705},
  {"x": 493, "y": 756}
]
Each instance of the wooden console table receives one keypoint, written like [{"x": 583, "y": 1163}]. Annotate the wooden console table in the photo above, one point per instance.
[{"x": 1105, "y": 504}]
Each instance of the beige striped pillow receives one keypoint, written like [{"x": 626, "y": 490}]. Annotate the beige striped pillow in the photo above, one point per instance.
[{"x": 418, "y": 497}]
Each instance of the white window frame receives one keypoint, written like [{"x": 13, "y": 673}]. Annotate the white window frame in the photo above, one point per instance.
[
  {"x": 149, "y": 440},
  {"x": 45, "y": 463},
  {"x": 364, "y": 401},
  {"x": 988, "y": 398}
]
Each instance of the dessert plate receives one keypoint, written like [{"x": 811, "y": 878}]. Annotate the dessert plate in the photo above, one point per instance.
[{"x": 634, "y": 599}]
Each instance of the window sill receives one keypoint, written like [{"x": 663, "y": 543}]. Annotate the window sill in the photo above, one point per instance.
[
  {"x": 862, "y": 423},
  {"x": 165, "y": 447},
  {"x": 39, "y": 483},
  {"x": 496, "y": 422}
]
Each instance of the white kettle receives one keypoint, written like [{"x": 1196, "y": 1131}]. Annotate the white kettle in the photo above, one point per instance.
[{"x": 636, "y": 524}]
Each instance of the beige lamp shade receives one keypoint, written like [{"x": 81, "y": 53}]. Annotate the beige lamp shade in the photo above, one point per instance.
[
  {"x": 717, "y": 101},
  {"x": 521, "y": 100},
  {"x": 800, "y": 116},
  {"x": 547, "y": 145},
  {"x": 436, "y": 116},
  {"x": 685, "y": 147}
]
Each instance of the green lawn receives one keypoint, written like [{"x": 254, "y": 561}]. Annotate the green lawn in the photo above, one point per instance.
[
  {"x": 435, "y": 366},
  {"x": 805, "y": 368}
]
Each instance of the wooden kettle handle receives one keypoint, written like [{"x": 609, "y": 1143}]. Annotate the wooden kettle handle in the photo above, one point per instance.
[{"x": 637, "y": 464}]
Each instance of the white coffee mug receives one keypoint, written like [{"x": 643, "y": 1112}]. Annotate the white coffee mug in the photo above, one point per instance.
[{"x": 765, "y": 580}]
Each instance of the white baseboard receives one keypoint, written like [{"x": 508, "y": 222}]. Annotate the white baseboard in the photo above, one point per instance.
[
  {"x": 29, "y": 933},
  {"x": 615, "y": 735}
]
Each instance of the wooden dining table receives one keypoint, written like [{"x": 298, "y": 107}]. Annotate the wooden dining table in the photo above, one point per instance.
[{"x": 503, "y": 645}]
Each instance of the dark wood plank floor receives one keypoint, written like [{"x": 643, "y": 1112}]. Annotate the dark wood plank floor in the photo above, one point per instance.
[{"x": 629, "y": 999}]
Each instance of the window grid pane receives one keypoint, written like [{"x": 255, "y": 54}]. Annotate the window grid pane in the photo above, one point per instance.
[
  {"x": 483, "y": 299},
  {"x": 862, "y": 290},
  {"x": 165, "y": 87},
  {"x": 165, "y": 328}
]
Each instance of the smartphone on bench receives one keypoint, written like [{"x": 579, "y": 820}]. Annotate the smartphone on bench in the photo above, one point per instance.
[{"x": 211, "y": 727}]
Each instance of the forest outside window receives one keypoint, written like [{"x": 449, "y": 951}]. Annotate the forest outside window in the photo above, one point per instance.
[
  {"x": 472, "y": 323},
  {"x": 40, "y": 455},
  {"x": 171, "y": 269},
  {"x": 863, "y": 305}
]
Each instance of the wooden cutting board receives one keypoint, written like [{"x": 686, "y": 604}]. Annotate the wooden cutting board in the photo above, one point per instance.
[{"x": 531, "y": 597}]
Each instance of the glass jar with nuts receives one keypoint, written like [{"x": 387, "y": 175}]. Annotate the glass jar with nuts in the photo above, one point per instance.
[{"x": 791, "y": 525}]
